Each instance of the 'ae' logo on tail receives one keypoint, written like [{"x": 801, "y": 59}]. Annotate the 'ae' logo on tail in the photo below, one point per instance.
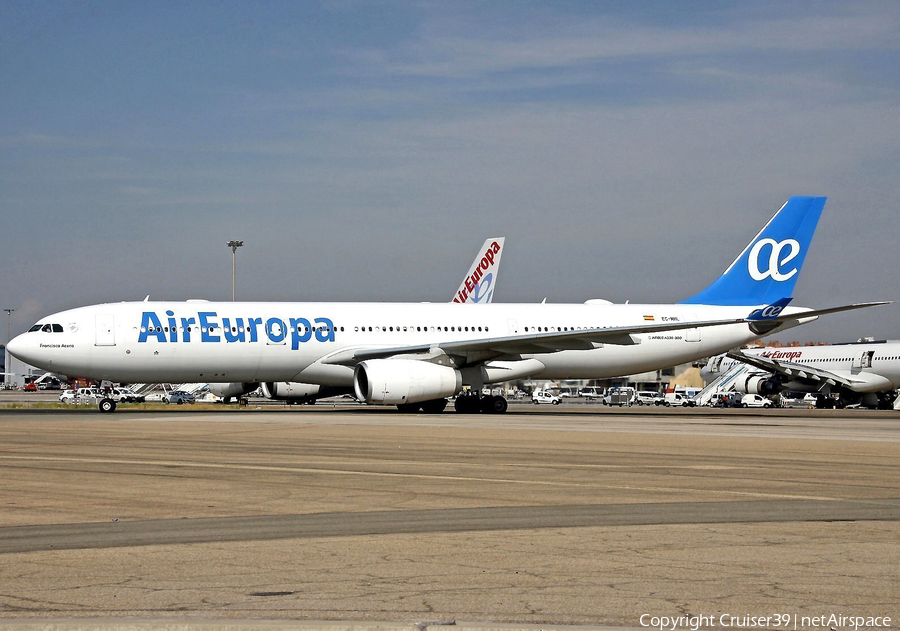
[{"x": 775, "y": 265}]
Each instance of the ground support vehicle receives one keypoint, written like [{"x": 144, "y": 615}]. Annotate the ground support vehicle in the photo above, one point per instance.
[
  {"x": 646, "y": 397},
  {"x": 677, "y": 399},
  {"x": 544, "y": 396},
  {"x": 756, "y": 401},
  {"x": 620, "y": 396}
]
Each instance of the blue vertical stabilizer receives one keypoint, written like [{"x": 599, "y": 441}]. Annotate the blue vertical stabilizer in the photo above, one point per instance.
[{"x": 767, "y": 270}]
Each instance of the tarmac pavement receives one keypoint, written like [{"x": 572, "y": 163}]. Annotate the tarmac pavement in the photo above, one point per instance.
[{"x": 563, "y": 516}]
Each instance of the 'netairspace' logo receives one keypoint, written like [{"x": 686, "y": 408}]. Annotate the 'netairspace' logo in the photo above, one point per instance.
[{"x": 250, "y": 330}]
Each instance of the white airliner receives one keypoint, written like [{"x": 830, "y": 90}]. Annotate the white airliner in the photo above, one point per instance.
[
  {"x": 477, "y": 287},
  {"x": 860, "y": 372},
  {"x": 416, "y": 355}
]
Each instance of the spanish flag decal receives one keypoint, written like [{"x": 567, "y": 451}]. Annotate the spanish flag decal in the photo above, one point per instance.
[{"x": 648, "y": 318}]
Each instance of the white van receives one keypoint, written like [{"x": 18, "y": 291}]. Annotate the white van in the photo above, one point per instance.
[
  {"x": 646, "y": 397},
  {"x": 756, "y": 401},
  {"x": 544, "y": 396},
  {"x": 677, "y": 399}
]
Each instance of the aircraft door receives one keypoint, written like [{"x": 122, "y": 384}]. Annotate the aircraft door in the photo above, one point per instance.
[
  {"x": 692, "y": 335},
  {"x": 275, "y": 330},
  {"x": 513, "y": 327},
  {"x": 105, "y": 330},
  {"x": 865, "y": 361}
]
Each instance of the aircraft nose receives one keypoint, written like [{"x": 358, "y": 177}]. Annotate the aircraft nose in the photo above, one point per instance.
[{"x": 18, "y": 346}]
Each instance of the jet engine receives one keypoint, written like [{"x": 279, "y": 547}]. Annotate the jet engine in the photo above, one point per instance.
[
  {"x": 291, "y": 391},
  {"x": 758, "y": 385},
  {"x": 400, "y": 381},
  {"x": 232, "y": 389}
]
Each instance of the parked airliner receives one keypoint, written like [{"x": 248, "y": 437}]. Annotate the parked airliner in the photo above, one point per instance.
[
  {"x": 477, "y": 287},
  {"x": 416, "y": 355},
  {"x": 860, "y": 372}
]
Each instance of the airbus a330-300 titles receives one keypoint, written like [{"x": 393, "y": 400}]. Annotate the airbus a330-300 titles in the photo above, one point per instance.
[{"x": 416, "y": 355}]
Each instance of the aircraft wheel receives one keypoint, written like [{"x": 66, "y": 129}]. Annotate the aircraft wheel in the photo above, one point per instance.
[
  {"x": 435, "y": 406},
  {"x": 466, "y": 404},
  {"x": 494, "y": 405},
  {"x": 107, "y": 405}
]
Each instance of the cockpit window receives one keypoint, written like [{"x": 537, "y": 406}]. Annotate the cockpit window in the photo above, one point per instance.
[{"x": 47, "y": 328}]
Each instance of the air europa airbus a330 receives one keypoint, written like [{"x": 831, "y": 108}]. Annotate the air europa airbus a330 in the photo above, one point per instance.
[{"x": 416, "y": 355}]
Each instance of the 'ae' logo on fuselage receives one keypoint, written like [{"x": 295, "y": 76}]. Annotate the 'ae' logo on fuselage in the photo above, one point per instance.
[{"x": 775, "y": 261}]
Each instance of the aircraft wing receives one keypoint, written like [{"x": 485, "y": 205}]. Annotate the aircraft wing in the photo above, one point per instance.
[
  {"x": 473, "y": 351},
  {"x": 489, "y": 348},
  {"x": 793, "y": 370}
]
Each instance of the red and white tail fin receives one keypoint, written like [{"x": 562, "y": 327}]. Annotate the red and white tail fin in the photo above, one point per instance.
[{"x": 478, "y": 284}]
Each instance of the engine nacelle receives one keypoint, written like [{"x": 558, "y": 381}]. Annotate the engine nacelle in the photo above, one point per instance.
[
  {"x": 758, "y": 385},
  {"x": 398, "y": 381},
  {"x": 291, "y": 391},
  {"x": 233, "y": 389}
]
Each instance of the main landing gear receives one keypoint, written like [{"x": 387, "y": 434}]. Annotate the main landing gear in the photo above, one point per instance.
[
  {"x": 465, "y": 404},
  {"x": 474, "y": 404},
  {"x": 435, "y": 406}
]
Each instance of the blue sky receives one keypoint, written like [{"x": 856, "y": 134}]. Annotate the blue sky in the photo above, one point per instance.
[{"x": 364, "y": 150}]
